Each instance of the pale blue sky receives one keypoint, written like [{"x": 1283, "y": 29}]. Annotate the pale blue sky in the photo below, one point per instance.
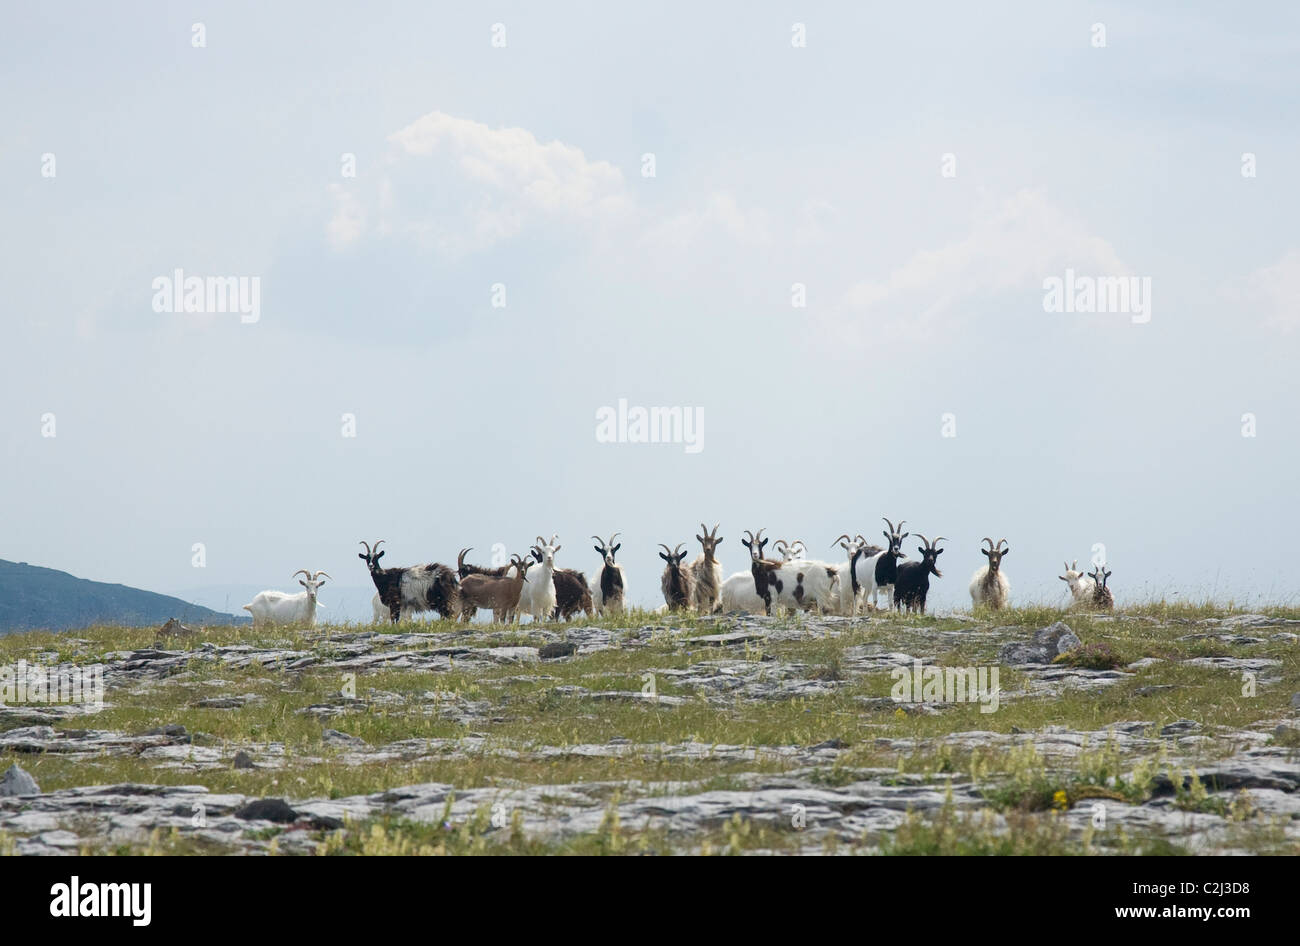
[{"x": 521, "y": 165}]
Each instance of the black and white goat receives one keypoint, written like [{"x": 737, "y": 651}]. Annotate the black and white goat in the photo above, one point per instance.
[
  {"x": 1082, "y": 587},
  {"x": 414, "y": 589},
  {"x": 856, "y": 574},
  {"x": 989, "y": 586},
  {"x": 882, "y": 566},
  {"x": 796, "y": 585},
  {"x": 706, "y": 572},
  {"x": 608, "y": 596},
  {"x": 912, "y": 581}
]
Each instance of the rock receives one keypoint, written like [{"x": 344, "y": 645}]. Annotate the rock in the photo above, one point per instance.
[
  {"x": 336, "y": 738},
  {"x": 1153, "y": 690},
  {"x": 828, "y": 744},
  {"x": 171, "y": 729},
  {"x": 268, "y": 809},
  {"x": 722, "y": 640},
  {"x": 557, "y": 650},
  {"x": 1048, "y": 643},
  {"x": 243, "y": 760},
  {"x": 17, "y": 781},
  {"x": 1295, "y": 701},
  {"x": 1179, "y": 727}
]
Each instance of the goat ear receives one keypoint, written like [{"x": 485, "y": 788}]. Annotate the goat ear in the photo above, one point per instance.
[
  {"x": 746, "y": 543},
  {"x": 599, "y": 550},
  {"x": 617, "y": 547},
  {"x": 364, "y": 557},
  {"x": 301, "y": 582},
  {"x": 663, "y": 556},
  {"x": 699, "y": 538},
  {"x": 904, "y": 536},
  {"x": 717, "y": 541},
  {"x": 938, "y": 552},
  {"x": 984, "y": 552},
  {"x": 1062, "y": 577},
  {"x": 557, "y": 548},
  {"x": 1006, "y": 551}
]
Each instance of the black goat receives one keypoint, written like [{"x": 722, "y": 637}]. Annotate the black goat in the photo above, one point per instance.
[
  {"x": 912, "y": 581},
  {"x": 411, "y": 590}
]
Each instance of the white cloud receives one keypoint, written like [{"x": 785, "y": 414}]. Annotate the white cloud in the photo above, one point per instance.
[
  {"x": 464, "y": 186},
  {"x": 1012, "y": 246},
  {"x": 1273, "y": 291}
]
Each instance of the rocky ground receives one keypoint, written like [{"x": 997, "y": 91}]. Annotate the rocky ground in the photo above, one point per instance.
[{"x": 1155, "y": 731}]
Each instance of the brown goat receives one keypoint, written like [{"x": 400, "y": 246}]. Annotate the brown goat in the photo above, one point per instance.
[{"x": 500, "y": 593}]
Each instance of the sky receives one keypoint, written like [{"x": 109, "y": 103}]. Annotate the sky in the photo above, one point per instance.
[{"x": 825, "y": 232}]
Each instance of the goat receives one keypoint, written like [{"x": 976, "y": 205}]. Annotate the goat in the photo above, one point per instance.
[
  {"x": 706, "y": 573},
  {"x": 413, "y": 589},
  {"x": 859, "y": 568},
  {"x": 737, "y": 594},
  {"x": 1102, "y": 599},
  {"x": 608, "y": 595},
  {"x": 379, "y": 608},
  {"x": 677, "y": 585},
  {"x": 989, "y": 586},
  {"x": 571, "y": 592},
  {"x": 498, "y": 592},
  {"x": 279, "y": 607},
  {"x": 912, "y": 582},
  {"x": 538, "y": 598},
  {"x": 882, "y": 567},
  {"x": 789, "y": 551},
  {"x": 464, "y": 571},
  {"x": 1081, "y": 586},
  {"x": 797, "y": 584}
]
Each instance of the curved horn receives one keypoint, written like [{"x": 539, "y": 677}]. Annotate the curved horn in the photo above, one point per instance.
[
  {"x": 666, "y": 548},
  {"x": 326, "y": 574},
  {"x": 1000, "y": 541},
  {"x": 892, "y": 530},
  {"x": 678, "y": 550},
  {"x": 377, "y": 544},
  {"x": 613, "y": 537},
  {"x": 844, "y": 537},
  {"x": 989, "y": 541},
  {"x": 924, "y": 540},
  {"x": 759, "y": 537},
  {"x": 540, "y": 540},
  {"x": 366, "y": 545},
  {"x": 302, "y": 571},
  {"x": 749, "y": 536},
  {"x": 938, "y": 539},
  {"x": 600, "y": 541},
  {"x": 460, "y": 559}
]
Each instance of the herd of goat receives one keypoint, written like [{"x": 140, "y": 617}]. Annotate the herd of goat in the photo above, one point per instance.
[{"x": 532, "y": 585}]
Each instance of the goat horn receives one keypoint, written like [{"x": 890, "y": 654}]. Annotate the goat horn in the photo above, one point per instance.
[
  {"x": 678, "y": 550},
  {"x": 666, "y": 548},
  {"x": 750, "y": 536},
  {"x": 302, "y": 571},
  {"x": 326, "y": 574},
  {"x": 1000, "y": 541},
  {"x": 540, "y": 540},
  {"x": 379, "y": 543},
  {"x": 613, "y": 537},
  {"x": 366, "y": 545},
  {"x": 460, "y": 559},
  {"x": 890, "y": 524},
  {"x": 599, "y": 541},
  {"x": 988, "y": 540},
  {"x": 924, "y": 540},
  {"x": 845, "y": 537}
]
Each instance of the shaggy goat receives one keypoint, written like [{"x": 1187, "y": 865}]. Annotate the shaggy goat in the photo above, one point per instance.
[
  {"x": 676, "y": 583},
  {"x": 464, "y": 571},
  {"x": 1102, "y": 599},
  {"x": 500, "y": 593},
  {"x": 413, "y": 589},
  {"x": 912, "y": 583},
  {"x": 989, "y": 586},
  {"x": 279, "y": 607},
  {"x": 706, "y": 573},
  {"x": 608, "y": 596}
]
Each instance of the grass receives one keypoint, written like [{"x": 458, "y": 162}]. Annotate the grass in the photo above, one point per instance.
[{"x": 517, "y": 710}]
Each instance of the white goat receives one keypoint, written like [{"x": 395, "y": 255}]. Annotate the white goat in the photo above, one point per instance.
[
  {"x": 379, "y": 608},
  {"x": 279, "y": 607},
  {"x": 1082, "y": 587},
  {"x": 989, "y": 586},
  {"x": 538, "y": 595},
  {"x": 856, "y": 573}
]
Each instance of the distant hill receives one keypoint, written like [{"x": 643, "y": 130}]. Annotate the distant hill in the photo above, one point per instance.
[{"x": 34, "y": 598}]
